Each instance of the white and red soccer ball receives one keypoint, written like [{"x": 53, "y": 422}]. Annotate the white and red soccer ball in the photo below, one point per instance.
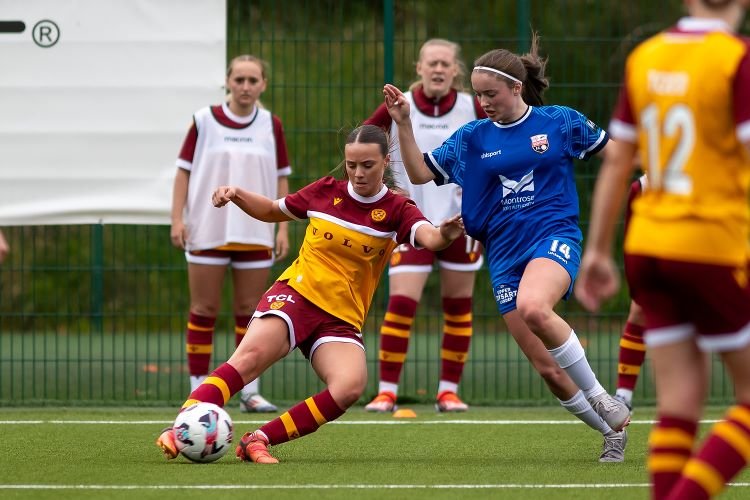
[{"x": 203, "y": 432}]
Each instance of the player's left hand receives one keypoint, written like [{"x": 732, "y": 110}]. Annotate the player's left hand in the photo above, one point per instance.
[
  {"x": 598, "y": 280},
  {"x": 452, "y": 228},
  {"x": 282, "y": 244}
]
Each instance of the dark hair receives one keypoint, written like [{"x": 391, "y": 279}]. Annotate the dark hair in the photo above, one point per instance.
[
  {"x": 371, "y": 134},
  {"x": 528, "y": 68}
]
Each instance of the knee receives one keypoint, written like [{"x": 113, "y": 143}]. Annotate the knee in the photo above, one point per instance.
[
  {"x": 534, "y": 314},
  {"x": 245, "y": 307},
  {"x": 347, "y": 392},
  {"x": 206, "y": 310}
]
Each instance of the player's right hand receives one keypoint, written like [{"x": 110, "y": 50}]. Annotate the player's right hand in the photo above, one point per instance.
[
  {"x": 396, "y": 103},
  {"x": 223, "y": 195},
  {"x": 178, "y": 234}
]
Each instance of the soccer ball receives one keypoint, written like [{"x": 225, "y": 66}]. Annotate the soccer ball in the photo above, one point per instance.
[{"x": 203, "y": 432}]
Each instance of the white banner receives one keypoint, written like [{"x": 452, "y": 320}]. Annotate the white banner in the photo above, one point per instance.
[{"x": 96, "y": 97}]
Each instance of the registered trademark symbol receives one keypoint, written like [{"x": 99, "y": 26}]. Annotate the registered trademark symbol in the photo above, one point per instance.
[{"x": 45, "y": 33}]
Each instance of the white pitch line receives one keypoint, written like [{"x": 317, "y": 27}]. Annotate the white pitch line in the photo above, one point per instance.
[
  {"x": 337, "y": 422},
  {"x": 332, "y": 486},
  {"x": 311, "y": 486}
]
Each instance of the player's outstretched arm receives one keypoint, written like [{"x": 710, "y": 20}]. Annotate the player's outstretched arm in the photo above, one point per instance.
[
  {"x": 598, "y": 277},
  {"x": 253, "y": 204},
  {"x": 437, "y": 238},
  {"x": 399, "y": 109}
]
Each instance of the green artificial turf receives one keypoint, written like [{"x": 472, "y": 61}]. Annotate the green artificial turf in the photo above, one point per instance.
[{"x": 487, "y": 452}]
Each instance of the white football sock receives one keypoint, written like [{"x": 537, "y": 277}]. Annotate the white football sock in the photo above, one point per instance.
[
  {"x": 195, "y": 381},
  {"x": 572, "y": 358},
  {"x": 579, "y": 406},
  {"x": 252, "y": 387},
  {"x": 444, "y": 385},
  {"x": 387, "y": 387},
  {"x": 625, "y": 394}
]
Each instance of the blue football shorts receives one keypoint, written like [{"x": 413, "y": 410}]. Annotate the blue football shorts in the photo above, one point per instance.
[{"x": 565, "y": 252}]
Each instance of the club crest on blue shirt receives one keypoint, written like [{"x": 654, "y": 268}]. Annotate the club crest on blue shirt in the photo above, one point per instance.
[{"x": 539, "y": 143}]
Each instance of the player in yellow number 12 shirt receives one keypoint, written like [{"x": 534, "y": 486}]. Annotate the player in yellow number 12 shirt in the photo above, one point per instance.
[{"x": 685, "y": 109}]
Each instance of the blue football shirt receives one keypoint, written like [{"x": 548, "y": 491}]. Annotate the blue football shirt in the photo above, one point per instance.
[{"x": 517, "y": 178}]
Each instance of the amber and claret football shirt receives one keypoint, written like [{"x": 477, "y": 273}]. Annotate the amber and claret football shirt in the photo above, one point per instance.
[
  {"x": 685, "y": 102},
  {"x": 347, "y": 244}
]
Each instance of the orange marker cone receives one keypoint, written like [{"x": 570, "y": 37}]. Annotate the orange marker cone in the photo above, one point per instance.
[{"x": 404, "y": 413}]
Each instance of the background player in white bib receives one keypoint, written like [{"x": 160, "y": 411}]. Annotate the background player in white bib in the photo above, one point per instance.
[
  {"x": 520, "y": 201},
  {"x": 238, "y": 143},
  {"x": 439, "y": 105}
]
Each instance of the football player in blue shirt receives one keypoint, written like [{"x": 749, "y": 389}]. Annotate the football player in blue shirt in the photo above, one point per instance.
[{"x": 520, "y": 201}]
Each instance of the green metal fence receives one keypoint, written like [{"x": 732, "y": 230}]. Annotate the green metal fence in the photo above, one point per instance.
[{"x": 92, "y": 314}]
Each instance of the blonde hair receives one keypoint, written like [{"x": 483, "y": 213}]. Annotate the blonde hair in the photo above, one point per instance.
[
  {"x": 458, "y": 81},
  {"x": 248, "y": 58}
]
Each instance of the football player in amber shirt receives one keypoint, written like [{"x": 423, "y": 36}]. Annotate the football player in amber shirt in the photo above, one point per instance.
[
  {"x": 685, "y": 108},
  {"x": 320, "y": 302}
]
